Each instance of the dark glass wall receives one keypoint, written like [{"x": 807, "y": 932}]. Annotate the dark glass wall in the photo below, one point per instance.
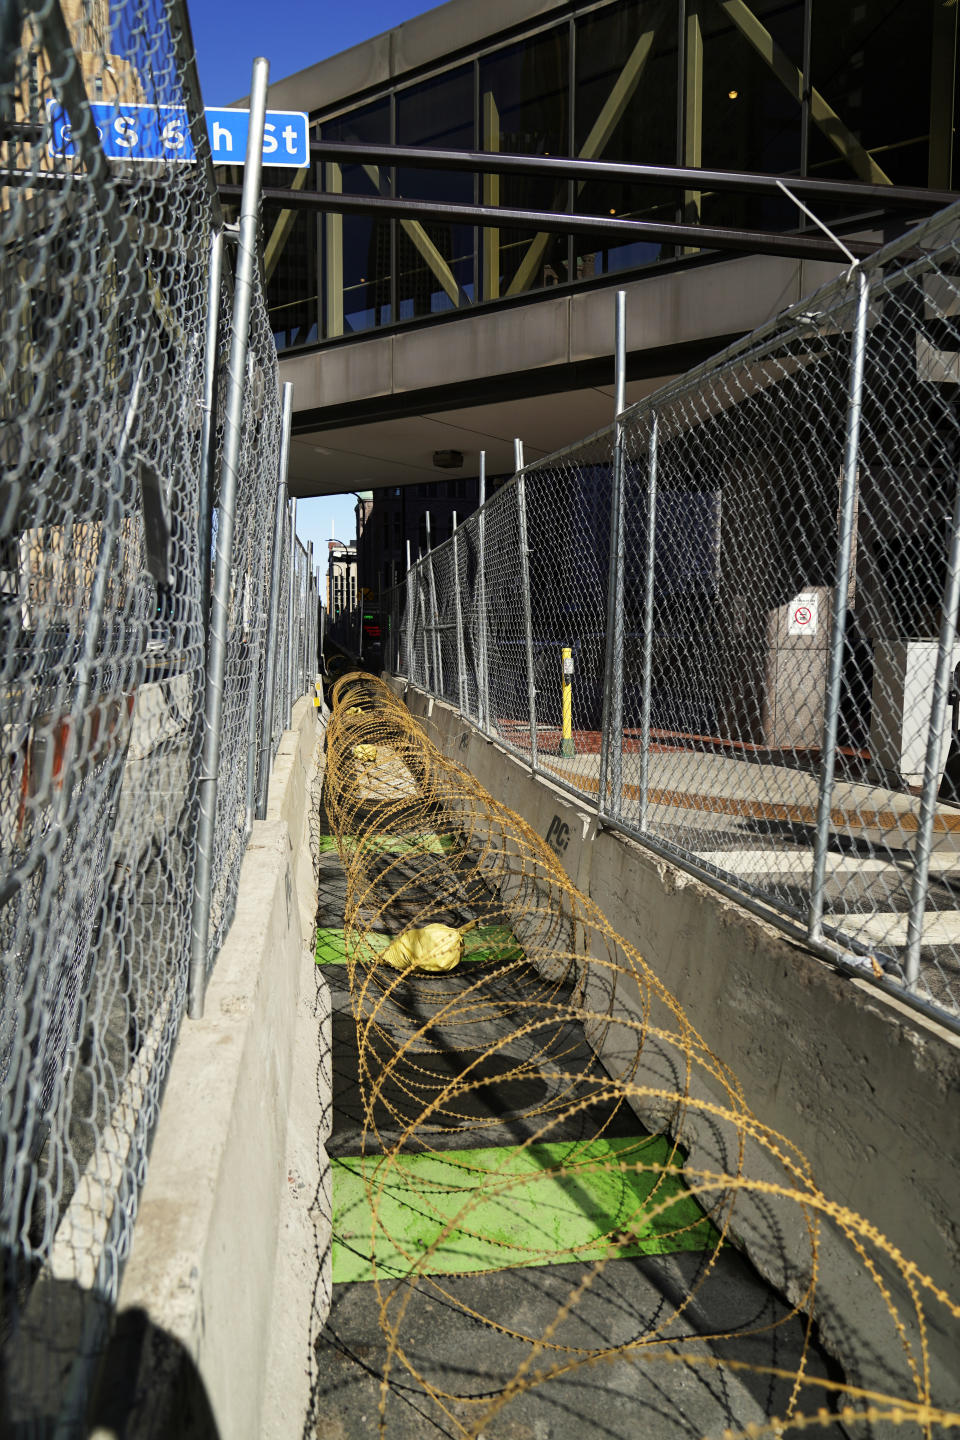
[
  {"x": 292, "y": 266},
  {"x": 358, "y": 254},
  {"x": 750, "y": 118},
  {"x": 626, "y": 109},
  {"x": 524, "y": 106},
  {"x": 834, "y": 88},
  {"x": 436, "y": 264}
]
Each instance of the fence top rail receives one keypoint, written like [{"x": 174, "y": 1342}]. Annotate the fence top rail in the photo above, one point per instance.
[{"x": 681, "y": 177}]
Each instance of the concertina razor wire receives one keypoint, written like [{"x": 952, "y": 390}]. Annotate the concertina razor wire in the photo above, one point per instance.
[
  {"x": 105, "y": 574},
  {"x": 546, "y": 1102}
]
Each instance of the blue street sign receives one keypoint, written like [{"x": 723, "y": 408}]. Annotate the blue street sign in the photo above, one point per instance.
[
  {"x": 127, "y": 132},
  {"x": 162, "y": 132},
  {"x": 285, "y": 138}
]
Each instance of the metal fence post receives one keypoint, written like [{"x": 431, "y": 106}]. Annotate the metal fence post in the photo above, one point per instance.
[
  {"x": 648, "y": 619},
  {"x": 931, "y": 770},
  {"x": 611, "y": 738},
  {"x": 311, "y": 660},
  {"x": 527, "y": 601},
  {"x": 273, "y": 624},
  {"x": 208, "y": 429},
  {"x": 434, "y": 617},
  {"x": 219, "y": 616},
  {"x": 458, "y": 612},
  {"x": 483, "y": 700},
  {"x": 839, "y": 622},
  {"x": 291, "y": 578},
  {"x": 410, "y": 616},
  {"x": 423, "y": 622}
]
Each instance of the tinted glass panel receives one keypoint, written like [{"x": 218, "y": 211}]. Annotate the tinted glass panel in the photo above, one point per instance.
[
  {"x": 751, "y": 119},
  {"x": 358, "y": 252},
  {"x": 626, "y": 109},
  {"x": 291, "y": 239},
  {"x": 524, "y": 110},
  {"x": 871, "y": 63},
  {"x": 435, "y": 262}
]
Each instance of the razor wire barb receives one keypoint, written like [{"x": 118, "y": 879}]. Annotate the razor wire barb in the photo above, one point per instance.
[
  {"x": 759, "y": 688},
  {"x": 104, "y": 576}
]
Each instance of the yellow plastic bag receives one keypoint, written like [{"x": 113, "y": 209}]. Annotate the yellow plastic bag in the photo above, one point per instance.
[
  {"x": 433, "y": 947},
  {"x": 365, "y": 754}
]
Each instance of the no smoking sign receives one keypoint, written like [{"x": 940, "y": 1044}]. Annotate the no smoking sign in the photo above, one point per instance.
[{"x": 802, "y": 615}]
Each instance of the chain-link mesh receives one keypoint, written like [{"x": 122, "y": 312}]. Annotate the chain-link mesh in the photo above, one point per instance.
[
  {"x": 247, "y": 622},
  {"x": 725, "y": 707},
  {"x": 104, "y": 586},
  {"x": 282, "y": 681}
]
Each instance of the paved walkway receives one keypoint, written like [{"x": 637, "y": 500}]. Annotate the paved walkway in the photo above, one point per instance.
[{"x": 754, "y": 820}]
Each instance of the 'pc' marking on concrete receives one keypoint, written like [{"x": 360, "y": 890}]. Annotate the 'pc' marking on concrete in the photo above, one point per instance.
[
  {"x": 527, "y": 1213},
  {"x": 490, "y": 943}
]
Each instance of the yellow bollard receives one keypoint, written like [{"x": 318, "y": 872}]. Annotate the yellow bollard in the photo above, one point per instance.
[{"x": 566, "y": 743}]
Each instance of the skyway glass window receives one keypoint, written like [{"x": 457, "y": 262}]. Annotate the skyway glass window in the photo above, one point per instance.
[
  {"x": 358, "y": 253},
  {"x": 524, "y": 110},
  {"x": 436, "y": 263}
]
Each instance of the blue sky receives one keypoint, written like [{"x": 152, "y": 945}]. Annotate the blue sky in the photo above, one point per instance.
[{"x": 228, "y": 37}]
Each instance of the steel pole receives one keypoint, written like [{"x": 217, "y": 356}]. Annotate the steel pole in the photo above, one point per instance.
[
  {"x": 291, "y": 582},
  {"x": 273, "y": 624},
  {"x": 931, "y": 772},
  {"x": 648, "y": 619},
  {"x": 484, "y": 696},
  {"x": 208, "y": 427},
  {"x": 611, "y": 738},
  {"x": 311, "y": 655},
  {"x": 423, "y": 622},
  {"x": 839, "y": 619},
  {"x": 410, "y": 616},
  {"x": 527, "y": 600},
  {"x": 246, "y": 277},
  {"x": 458, "y": 614},
  {"x": 434, "y": 616}
]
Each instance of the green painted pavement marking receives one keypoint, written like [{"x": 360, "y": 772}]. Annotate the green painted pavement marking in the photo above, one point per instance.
[
  {"x": 392, "y": 844},
  {"x": 524, "y": 1211},
  {"x": 490, "y": 943}
]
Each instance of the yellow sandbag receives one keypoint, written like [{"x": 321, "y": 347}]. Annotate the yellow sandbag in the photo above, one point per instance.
[
  {"x": 365, "y": 754},
  {"x": 434, "y": 947}
]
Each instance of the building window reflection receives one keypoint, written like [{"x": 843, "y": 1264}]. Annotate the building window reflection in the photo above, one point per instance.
[
  {"x": 695, "y": 82},
  {"x": 626, "y": 109},
  {"x": 524, "y": 109},
  {"x": 743, "y": 111},
  {"x": 436, "y": 263},
  {"x": 358, "y": 252}
]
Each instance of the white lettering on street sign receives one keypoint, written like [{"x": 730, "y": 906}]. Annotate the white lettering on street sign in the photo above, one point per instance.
[{"x": 162, "y": 132}]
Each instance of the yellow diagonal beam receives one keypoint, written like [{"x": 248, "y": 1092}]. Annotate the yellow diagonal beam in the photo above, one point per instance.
[
  {"x": 594, "y": 145},
  {"x": 791, "y": 78},
  {"x": 282, "y": 228},
  {"x": 423, "y": 244}
]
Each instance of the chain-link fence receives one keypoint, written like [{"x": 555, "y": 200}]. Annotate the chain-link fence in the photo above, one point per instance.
[
  {"x": 752, "y": 580},
  {"x": 112, "y": 431}
]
